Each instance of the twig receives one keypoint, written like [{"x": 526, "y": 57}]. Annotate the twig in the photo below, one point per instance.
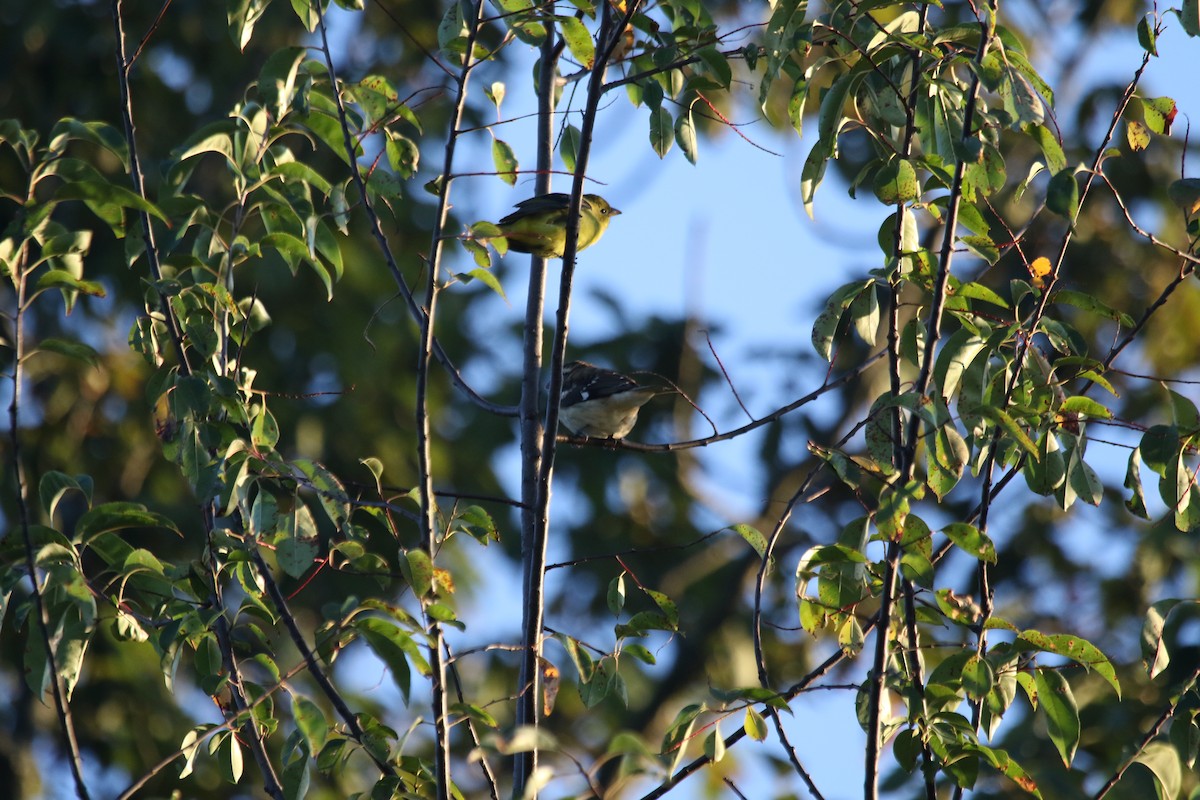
[
  {"x": 310, "y": 660},
  {"x": 485, "y": 766},
  {"x": 1162, "y": 720},
  {"x": 725, "y": 372},
  {"x": 139, "y": 186}
]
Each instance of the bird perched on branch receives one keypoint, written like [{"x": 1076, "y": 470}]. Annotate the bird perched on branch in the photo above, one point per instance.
[
  {"x": 600, "y": 402},
  {"x": 539, "y": 225}
]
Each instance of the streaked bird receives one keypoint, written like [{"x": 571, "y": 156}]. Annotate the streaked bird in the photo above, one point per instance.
[{"x": 600, "y": 402}]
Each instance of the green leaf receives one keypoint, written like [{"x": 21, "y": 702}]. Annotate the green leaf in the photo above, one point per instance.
[
  {"x": 1057, "y": 702},
  {"x": 403, "y": 155},
  {"x": 310, "y": 721},
  {"x": 685, "y": 135},
  {"x": 826, "y": 325},
  {"x": 662, "y": 134},
  {"x": 896, "y": 182},
  {"x": 640, "y": 653},
  {"x": 1011, "y": 427},
  {"x": 1159, "y": 113},
  {"x": 977, "y": 291},
  {"x": 946, "y": 457},
  {"x": 488, "y": 278},
  {"x": 298, "y": 544},
  {"x": 1085, "y": 406},
  {"x": 616, "y": 594},
  {"x": 1189, "y": 17},
  {"x": 242, "y": 16},
  {"x": 1163, "y": 762},
  {"x": 579, "y": 41},
  {"x": 864, "y": 313},
  {"x": 54, "y": 485},
  {"x": 786, "y": 32},
  {"x": 977, "y": 677},
  {"x": 755, "y": 726},
  {"x": 714, "y": 744},
  {"x": 1147, "y": 38},
  {"x": 1062, "y": 195},
  {"x": 393, "y": 646},
  {"x": 1155, "y": 654},
  {"x": 1133, "y": 481},
  {"x": 505, "y": 160},
  {"x": 451, "y": 32},
  {"x": 1089, "y": 302},
  {"x": 277, "y": 79},
  {"x": 982, "y": 246},
  {"x": 419, "y": 572},
  {"x": 753, "y": 537},
  {"x": 117, "y": 516},
  {"x": 1079, "y": 650},
  {"x": 568, "y": 147},
  {"x": 666, "y": 605},
  {"x": 716, "y": 65},
  {"x": 1056, "y": 160},
  {"x": 100, "y": 134},
  {"x": 107, "y": 201},
  {"x": 76, "y": 350},
  {"x": 971, "y": 540},
  {"x": 1003, "y": 763},
  {"x": 1185, "y": 738}
]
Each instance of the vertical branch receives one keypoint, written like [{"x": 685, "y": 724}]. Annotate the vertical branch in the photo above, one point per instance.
[
  {"x": 986, "y": 599},
  {"x": 139, "y": 185},
  {"x": 58, "y": 688},
  {"x": 903, "y": 453},
  {"x": 249, "y": 731},
  {"x": 540, "y": 516},
  {"x": 533, "y": 538},
  {"x": 425, "y": 353}
]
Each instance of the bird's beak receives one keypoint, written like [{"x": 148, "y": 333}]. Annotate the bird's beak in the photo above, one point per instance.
[{"x": 612, "y": 212}]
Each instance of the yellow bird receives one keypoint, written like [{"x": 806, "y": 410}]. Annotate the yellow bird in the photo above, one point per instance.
[{"x": 539, "y": 225}]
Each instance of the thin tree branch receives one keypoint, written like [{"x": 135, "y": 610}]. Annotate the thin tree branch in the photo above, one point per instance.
[
  {"x": 139, "y": 186},
  {"x": 1151, "y": 734},
  {"x": 535, "y": 568},
  {"x": 310, "y": 660},
  {"x": 668, "y": 447},
  {"x": 58, "y": 689},
  {"x": 533, "y": 538},
  {"x": 485, "y": 766}
]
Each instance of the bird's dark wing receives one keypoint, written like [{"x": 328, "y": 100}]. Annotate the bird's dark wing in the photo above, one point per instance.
[
  {"x": 598, "y": 384},
  {"x": 542, "y": 204}
]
